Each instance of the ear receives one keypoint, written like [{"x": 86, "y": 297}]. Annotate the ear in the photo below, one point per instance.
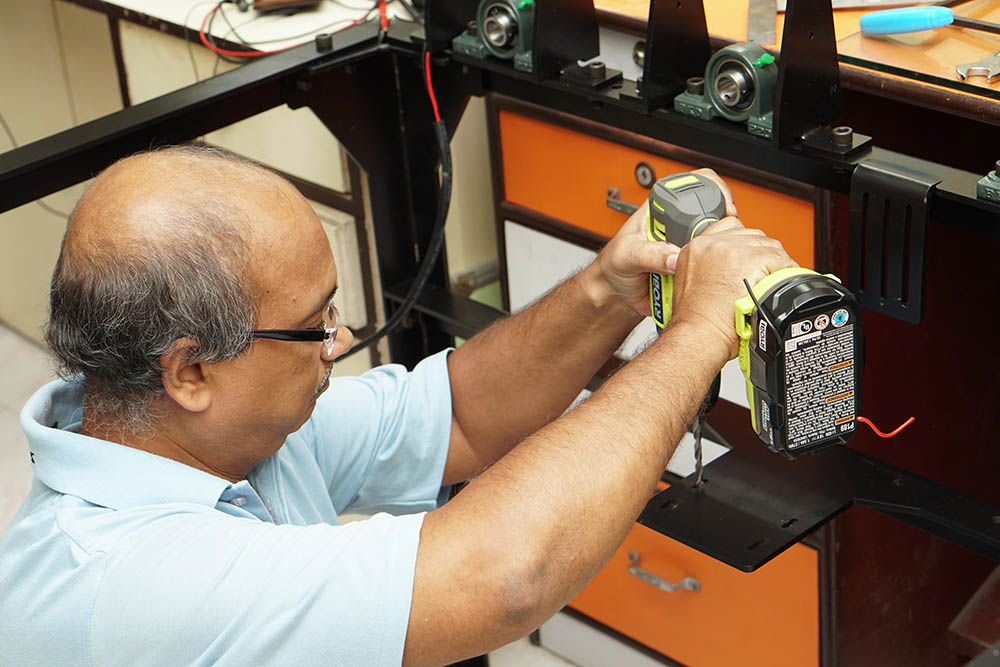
[{"x": 186, "y": 381}]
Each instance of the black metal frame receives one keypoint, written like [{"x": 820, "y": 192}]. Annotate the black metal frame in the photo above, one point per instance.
[{"x": 368, "y": 90}]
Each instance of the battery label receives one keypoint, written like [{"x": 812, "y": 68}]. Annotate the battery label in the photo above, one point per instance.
[{"x": 819, "y": 381}]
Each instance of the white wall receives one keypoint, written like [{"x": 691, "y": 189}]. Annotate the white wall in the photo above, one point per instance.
[{"x": 43, "y": 46}]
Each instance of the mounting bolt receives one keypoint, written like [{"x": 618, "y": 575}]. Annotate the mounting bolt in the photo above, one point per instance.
[
  {"x": 695, "y": 85},
  {"x": 843, "y": 136},
  {"x": 324, "y": 42},
  {"x": 596, "y": 70},
  {"x": 996, "y": 169},
  {"x": 472, "y": 27}
]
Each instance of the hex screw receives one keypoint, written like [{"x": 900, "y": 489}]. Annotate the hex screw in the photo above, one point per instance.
[
  {"x": 843, "y": 136},
  {"x": 695, "y": 85},
  {"x": 596, "y": 70},
  {"x": 324, "y": 42}
]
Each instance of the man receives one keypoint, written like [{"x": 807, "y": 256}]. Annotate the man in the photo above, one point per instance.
[{"x": 187, "y": 488}]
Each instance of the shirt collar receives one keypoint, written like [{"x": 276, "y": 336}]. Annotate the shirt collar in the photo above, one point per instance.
[{"x": 101, "y": 472}]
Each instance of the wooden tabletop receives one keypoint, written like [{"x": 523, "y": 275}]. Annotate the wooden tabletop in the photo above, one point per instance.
[{"x": 920, "y": 65}]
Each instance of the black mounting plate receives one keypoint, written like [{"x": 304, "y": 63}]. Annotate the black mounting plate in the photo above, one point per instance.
[{"x": 754, "y": 504}]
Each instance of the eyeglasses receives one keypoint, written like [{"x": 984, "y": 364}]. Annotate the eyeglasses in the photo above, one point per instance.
[{"x": 328, "y": 334}]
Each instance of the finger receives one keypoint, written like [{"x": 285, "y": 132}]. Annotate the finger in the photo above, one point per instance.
[
  {"x": 728, "y": 223},
  {"x": 771, "y": 260},
  {"x": 653, "y": 257},
  {"x": 636, "y": 223},
  {"x": 726, "y": 193}
]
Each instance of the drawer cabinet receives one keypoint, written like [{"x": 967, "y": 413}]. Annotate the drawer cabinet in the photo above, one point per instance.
[
  {"x": 565, "y": 175},
  {"x": 769, "y": 618}
]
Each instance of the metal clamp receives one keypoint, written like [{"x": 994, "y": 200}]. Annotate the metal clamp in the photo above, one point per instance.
[
  {"x": 688, "y": 583},
  {"x": 887, "y": 249},
  {"x": 616, "y": 204}
]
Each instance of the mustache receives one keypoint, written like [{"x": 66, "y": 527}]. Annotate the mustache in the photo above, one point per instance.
[{"x": 326, "y": 376}]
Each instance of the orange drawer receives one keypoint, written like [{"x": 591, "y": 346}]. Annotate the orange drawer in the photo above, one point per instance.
[
  {"x": 768, "y": 617},
  {"x": 565, "y": 175}
]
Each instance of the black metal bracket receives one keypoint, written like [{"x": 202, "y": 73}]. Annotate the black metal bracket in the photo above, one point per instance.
[
  {"x": 808, "y": 91},
  {"x": 888, "y": 237},
  {"x": 754, "y": 505},
  {"x": 565, "y": 31},
  {"x": 677, "y": 48},
  {"x": 458, "y": 315},
  {"x": 445, "y": 19}
]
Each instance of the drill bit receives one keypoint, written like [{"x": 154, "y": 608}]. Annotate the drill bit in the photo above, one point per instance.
[{"x": 699, "y": 468}]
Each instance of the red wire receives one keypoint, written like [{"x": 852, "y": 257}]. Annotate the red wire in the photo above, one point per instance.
[
  {"x": 383, "y": 17},
  {"x": 886, "y": 435},
  {"x": 252, "y": 54},
  {"x": 225, "y": 52},
  {"x": 430, "y": 86}
]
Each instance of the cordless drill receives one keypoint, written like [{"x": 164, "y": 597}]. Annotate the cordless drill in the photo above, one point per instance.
[
  {"x": 681, "y": 207},
  {"x": 801, "y": 341}
]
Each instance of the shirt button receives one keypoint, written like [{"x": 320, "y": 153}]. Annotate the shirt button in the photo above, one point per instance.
[{"x": 239, "y": 501}]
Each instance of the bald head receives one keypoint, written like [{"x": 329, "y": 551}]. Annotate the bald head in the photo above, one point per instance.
[
  {"x": 145, "y": 201},
  {"x": 161, "y": 247}
]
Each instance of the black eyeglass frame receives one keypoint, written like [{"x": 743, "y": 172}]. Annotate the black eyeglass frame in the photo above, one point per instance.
[{"x": 328, "y": 334}]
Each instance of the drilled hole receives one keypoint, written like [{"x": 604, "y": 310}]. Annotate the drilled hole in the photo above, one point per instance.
[
  {"x": 812, "y": 35},
  {"x": 754, "y": 545},
  {"x": 788, "y": 522},
  {"x": 669, "y": 505}
]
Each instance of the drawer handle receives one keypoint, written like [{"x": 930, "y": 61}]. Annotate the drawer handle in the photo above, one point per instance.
[
  {"x": 688, "y": 583},
  {"x": 616, "y": 204}
]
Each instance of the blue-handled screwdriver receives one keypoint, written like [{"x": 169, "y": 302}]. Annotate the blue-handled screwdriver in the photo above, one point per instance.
[{"x": 913, "y": 19}]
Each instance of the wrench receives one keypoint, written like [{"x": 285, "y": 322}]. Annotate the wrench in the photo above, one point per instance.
[{"x": 988, "y": 67}]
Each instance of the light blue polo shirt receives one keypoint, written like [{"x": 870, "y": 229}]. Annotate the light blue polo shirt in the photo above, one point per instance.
[{"x": 120, "y": 557}]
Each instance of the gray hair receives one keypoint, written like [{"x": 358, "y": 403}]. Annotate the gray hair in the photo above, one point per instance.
[{"x": 115, "y": 310}]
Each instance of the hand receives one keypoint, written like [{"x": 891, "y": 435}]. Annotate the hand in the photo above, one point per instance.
[
  {"x": 628, "y": 259},
  {"x": 710, "y": 273}
]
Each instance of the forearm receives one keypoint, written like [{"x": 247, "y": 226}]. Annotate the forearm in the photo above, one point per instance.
[
  {"x": 516, "y": 376},
  {"x": 543, "y": 519}
]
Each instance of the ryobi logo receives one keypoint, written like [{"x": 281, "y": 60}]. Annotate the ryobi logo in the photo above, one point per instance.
[
  {"x": 762, "y": 335},
  {"x": 656, "y": 289}
]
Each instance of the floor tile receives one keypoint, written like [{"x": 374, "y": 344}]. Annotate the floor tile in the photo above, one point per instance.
[{"x": 523, "y": 653}]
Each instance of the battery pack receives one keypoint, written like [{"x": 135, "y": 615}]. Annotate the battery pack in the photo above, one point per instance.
[{"x": 803, "y": 359}]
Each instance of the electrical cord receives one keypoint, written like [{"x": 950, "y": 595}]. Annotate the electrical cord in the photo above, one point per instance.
[
  {"x": 437, "y": 235},
  {"x": 13, "y": 141},
  {"x": 233, "y": 56}
]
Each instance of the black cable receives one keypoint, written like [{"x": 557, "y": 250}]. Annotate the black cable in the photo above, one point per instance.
[
  {"x": 251, "y": 44},
  {"x": 433, "y": 247},
  {"x": 408, "y": 6},
  {"x": 208, "y": 34}
]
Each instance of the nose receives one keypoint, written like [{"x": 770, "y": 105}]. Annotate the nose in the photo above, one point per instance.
[{"x": 341, "y": 344}]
